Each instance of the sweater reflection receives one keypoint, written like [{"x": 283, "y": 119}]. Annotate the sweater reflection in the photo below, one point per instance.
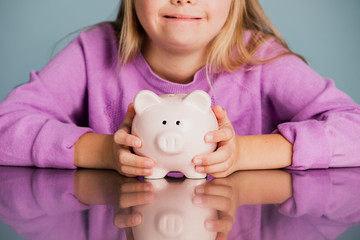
[{"x": 99, "y": 204}]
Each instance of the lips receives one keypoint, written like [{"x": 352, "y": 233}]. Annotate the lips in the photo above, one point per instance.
[{"x": 182, "y": 17}]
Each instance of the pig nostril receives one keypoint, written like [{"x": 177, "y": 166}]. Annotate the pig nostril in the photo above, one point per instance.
[
  {"x": 164, "y": 122},
  {"x": 170, "y": 143},
  {"x": 178, "y": 123}
]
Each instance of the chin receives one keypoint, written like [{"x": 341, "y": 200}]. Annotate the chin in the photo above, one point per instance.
[{"x": 185, "y": 46}]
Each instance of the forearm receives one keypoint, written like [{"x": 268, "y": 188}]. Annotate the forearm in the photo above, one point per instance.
[
  {"x": 262, "y": 187},
  {"x": 270, "y": 151},
  {"x": 94, "y": 150}
]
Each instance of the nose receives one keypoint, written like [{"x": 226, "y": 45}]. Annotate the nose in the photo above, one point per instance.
[
  {"x": 182, "y": 2},
  {"x": 170, "y": 143}
]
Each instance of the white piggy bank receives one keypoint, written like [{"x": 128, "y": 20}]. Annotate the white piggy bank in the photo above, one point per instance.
[
  {"x": 173, "y": 215},
  {"x": 172, "y": 128}
]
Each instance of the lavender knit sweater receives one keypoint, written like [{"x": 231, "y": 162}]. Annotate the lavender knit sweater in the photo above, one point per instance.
[{"x": 84, "y": 90}]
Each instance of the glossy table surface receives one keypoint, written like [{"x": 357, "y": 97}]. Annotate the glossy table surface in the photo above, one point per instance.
[{"x": 99, "y": 204}]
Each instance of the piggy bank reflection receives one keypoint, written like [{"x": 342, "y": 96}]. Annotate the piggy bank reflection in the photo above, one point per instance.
[
  {"x": 173, "y": 215},
  {"x": 172, "y": 128}
]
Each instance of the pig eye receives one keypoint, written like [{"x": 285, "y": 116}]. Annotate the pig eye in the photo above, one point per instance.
[
  {"x": 178, "y": 123},
  {"x": 164, "y": 122}
]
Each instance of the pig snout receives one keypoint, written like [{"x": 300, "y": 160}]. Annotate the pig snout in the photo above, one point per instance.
[{"x": 170, "y": 142}]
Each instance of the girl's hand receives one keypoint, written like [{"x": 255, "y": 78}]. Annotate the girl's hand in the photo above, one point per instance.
[
  {"x": 125, "y": 161},
  {"x": 220, "y": 163}
]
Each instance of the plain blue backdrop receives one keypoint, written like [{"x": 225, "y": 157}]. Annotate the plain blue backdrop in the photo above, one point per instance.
[{"x": 325, "y": 32}]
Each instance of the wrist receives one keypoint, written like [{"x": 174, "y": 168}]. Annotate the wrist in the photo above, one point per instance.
[{"x": 93, "y": 150}]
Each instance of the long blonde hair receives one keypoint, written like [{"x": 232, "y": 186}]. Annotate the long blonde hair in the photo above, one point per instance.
[{"x": 227, "y": 51}]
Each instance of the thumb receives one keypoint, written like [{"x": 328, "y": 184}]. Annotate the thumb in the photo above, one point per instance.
[
  {"x": 130, "y": 114},
  {"x": 128, "y": 119},
  {"x": 121, "y": 136},
  {"x": 221, "y": 115}
]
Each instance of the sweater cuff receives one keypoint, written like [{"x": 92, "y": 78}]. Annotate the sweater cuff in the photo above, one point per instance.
[
  {"x": 60, "y": 153},
  {"x": 311, "y": 190},
  {"x": 310, "y": 145},
  {"x": 54, "y": 191}
]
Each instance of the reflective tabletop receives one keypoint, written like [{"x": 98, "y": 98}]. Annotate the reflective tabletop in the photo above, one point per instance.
[{"x": 99, "y": 204}]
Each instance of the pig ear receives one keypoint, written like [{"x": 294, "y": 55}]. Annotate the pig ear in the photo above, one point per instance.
[
  {"x": 145, "y": 99},
  {"x": 199, "y": 99}
]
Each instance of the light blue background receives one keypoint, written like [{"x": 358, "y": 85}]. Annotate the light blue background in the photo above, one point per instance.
[
  {"x": 326, "y": 32},
  {"x": 30, "y": 31}
]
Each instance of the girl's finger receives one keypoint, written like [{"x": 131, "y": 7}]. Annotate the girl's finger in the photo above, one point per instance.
[
  {"x": 127, "y": 220},
  {"x": 127, "y": 158},
  {"x": 221, "y": 116},
  {"x": 225, "y": 133},
  {"x": 215, "y": 168},
  {"x": 219, "y": 156},
  {"x": 221, "y": 236},
  {"x": 222, "y": 174},
  {"x": 123, "y": 137},
  {"x": 129, "y": 117},
  {"x": 135, "y": 171}
]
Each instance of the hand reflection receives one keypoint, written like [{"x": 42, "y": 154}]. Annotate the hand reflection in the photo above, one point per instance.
[
  {"x": 131, "y": 197},
  {"x": 219, "y": 194},
  {"x": 241, "y": 188},
  {"x": 130, "y": 194},
  {"x": 108, "y": 187}
]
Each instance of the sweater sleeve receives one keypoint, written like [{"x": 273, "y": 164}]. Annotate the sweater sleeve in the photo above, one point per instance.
[
  {"x": 41, "y": 120},
  {"x": 321, "y": 122},
  {"x": 329, "y": 194}
]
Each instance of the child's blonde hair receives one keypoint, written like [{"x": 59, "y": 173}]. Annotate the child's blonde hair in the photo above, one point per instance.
[{"x": 227, "y": 51}]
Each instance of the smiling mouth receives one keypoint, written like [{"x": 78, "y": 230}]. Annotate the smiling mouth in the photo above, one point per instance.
[{"x": 182, "y": 17}]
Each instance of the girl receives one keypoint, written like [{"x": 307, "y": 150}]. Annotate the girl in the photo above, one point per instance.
[{"x": 77, "y": 111}]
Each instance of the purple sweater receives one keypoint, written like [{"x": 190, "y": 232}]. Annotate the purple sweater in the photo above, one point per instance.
[{"x": 83, "y": 89}]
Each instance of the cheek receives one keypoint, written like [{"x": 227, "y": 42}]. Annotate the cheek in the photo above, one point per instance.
[
  {"x": 145, "y": 12},
  {"x": 218, "y": 11}
]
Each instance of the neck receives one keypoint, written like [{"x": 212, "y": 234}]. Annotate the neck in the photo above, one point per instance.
[{"x": 176, "y": 67}]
